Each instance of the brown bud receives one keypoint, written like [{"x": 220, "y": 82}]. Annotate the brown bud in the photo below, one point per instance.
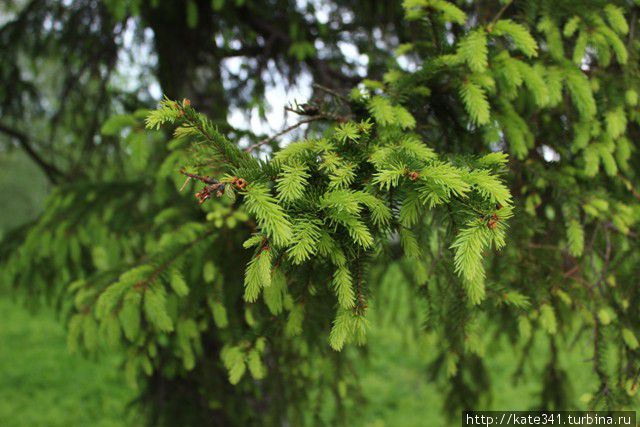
[
  {"x": 492, "y": 224},
  {"x": 239, "y": 183},
  {"x": 203, "y": 195},
  {"x": 186, "y": 102},
  {"x": 310, "y": 109},
  {"x": 413, "y": 176}
]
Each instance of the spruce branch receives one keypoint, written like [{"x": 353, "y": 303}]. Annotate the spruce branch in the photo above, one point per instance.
[{"x": 213, "y": 186}]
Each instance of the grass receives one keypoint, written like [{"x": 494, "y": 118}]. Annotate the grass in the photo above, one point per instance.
[{"x": 41, "y": 384}]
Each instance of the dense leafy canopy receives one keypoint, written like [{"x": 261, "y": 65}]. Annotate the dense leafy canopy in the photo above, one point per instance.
[{"x": 484, "y": 148}]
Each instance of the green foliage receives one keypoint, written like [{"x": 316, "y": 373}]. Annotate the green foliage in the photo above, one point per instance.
[
  {"x": 346, "y": 327},
  {"x": 234, "y": 360},
  {"x": 306, "y": 233},
  {"x": 475, "y": 101},
  {"x": 575, "y": 235},
  {"x": 409, "y": 170},
  {"x": 258, "y": 275},
  {"x": 323, "y": 208},
  {"x": 469, "y": 245},
  {"x": 630, "y": 338},
  {"x": 520, "y": 36},
  {"x": 155, "y": 309},
  {"x": 45, "y": 385},
  {"x": 548, "y": 319},
  {"x": 268, "y": 213},
  {"x": 473, "y": 50},
  {"x": 291, "y": 183},
  {"x": 386, "y": 113},
  {"x": 343, "y": 285}
]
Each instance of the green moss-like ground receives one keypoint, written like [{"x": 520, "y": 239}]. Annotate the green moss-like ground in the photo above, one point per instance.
[{"x": 41, "y": 384}]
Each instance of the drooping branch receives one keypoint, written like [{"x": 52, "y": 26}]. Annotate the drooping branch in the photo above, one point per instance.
[{"x": 51, "y": 171}]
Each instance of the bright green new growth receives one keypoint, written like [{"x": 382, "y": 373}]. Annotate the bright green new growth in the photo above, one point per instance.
[
  {"x": 310, "y": 204},
  {"x": 270, "y": 216},
  {"x": 258, "y": 275},
  {"x": 475, "y": 100},
  {"x": 291, "y": 183},
  {"x": 473, "y": 50},
  {"x": 519, "y": 34}
]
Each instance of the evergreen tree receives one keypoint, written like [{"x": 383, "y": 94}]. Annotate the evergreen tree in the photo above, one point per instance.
[{"x": 487, "y": 152}]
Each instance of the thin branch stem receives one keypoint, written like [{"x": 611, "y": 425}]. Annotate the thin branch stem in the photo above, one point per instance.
[
  {"x": 499, "y": 14},
  {"x": 331, "y": 92},
  {"x": 201, "y": 178},
  {"x": 286, "y": 130},
  {"x": 629, "y": 186},
  {"x": 632, "y": 28},
  {"x": 50, "y": 170}
]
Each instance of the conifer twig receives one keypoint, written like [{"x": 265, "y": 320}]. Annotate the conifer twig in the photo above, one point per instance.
[
  {"x": 331, "y": 92},
  {"x": 201, "y": 178},
  {"x": 285, "y": 131},
  {"x": 186, "y": 182},
  {"x": 499, "y": 14},
  {"x": 629, "y": 186}
]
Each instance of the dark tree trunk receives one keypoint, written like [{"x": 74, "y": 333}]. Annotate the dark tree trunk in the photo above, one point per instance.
[{"x": 187, "y": 64}]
